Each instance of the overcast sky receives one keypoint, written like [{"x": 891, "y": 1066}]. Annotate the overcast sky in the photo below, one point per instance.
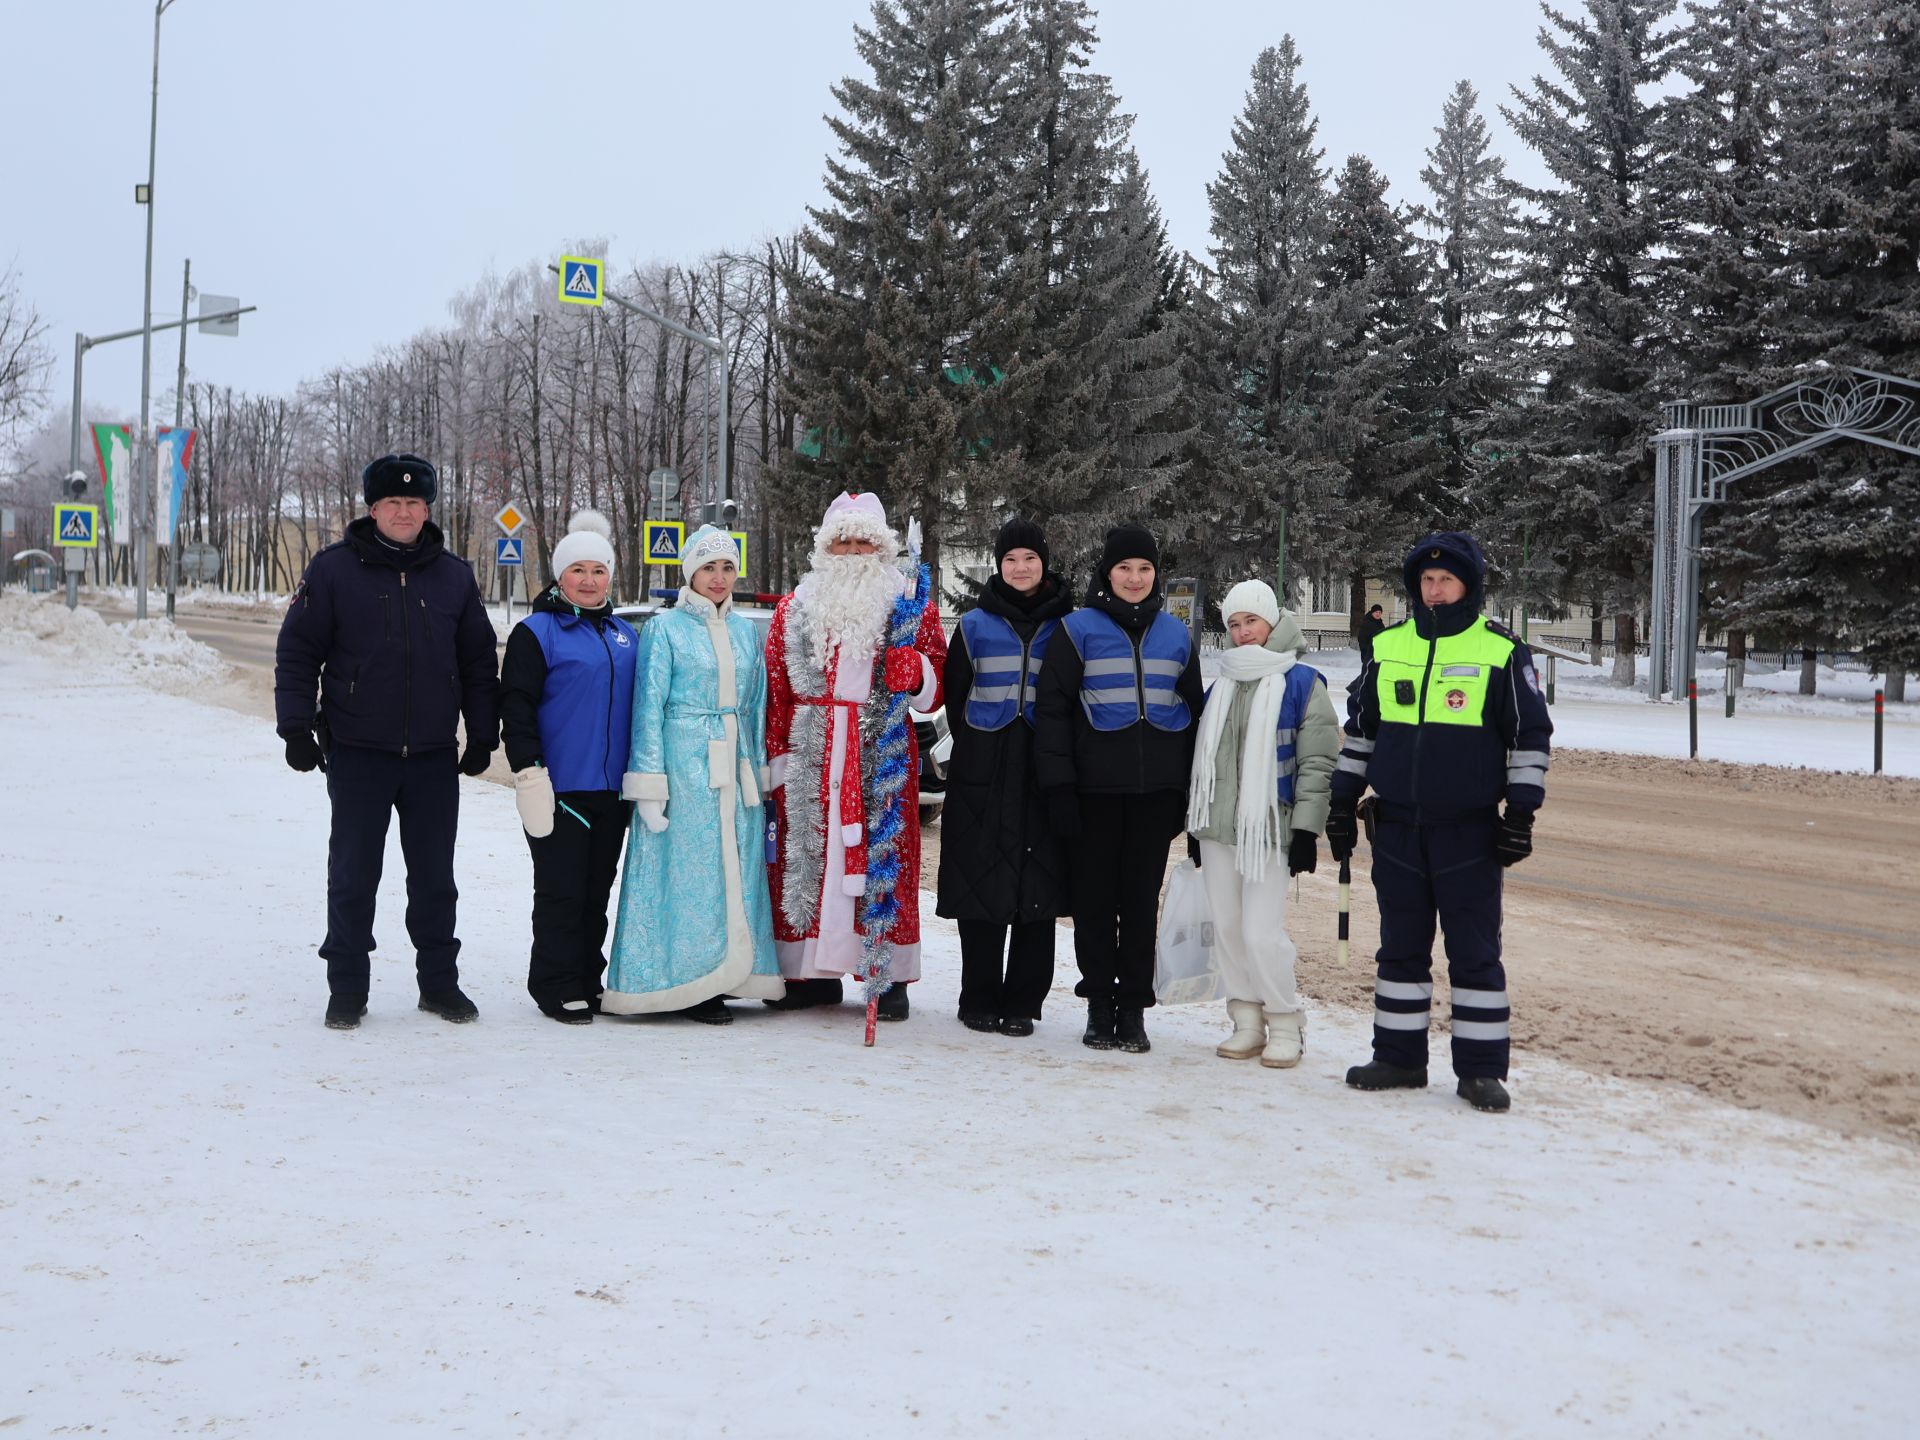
[{"x": 349, "y": 165}]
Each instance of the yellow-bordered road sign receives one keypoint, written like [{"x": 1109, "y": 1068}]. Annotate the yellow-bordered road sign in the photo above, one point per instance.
[
  {"x": 76, "y": 525},
  {"x": 664, "y": 539},
  {"x": 740, "y": 540},
  {"x": 580, "y": 280}
]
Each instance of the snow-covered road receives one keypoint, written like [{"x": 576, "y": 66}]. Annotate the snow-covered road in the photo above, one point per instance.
[{"x": 217, "y": 1217}]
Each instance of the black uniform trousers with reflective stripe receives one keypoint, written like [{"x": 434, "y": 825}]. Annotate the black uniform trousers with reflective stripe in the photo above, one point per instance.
[
  {"x": 367, "y": 787},
  {"x": 1029, "y": 968},
  {"x": 1450, "y": 871},
  {"x": 1119, "y": 863},
  {"x": 573, "y": 871}
]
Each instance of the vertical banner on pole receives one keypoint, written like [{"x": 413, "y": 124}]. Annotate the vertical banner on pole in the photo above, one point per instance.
[
  {"x": 113, "y": 446},
  {"x": 176, "y": 450}
]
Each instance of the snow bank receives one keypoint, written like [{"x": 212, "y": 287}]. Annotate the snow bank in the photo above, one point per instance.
[
  {"x": 222, "y": 1219},
  {"x": 153, "y": 653}
]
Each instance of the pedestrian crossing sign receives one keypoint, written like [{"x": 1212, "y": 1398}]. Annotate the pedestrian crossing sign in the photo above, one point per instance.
[
  {"x": 76, "y": 525},
  {"x": 664, "y": 538},
  {"x": 740, "y": 542},
  {"x": 580, "y": 280},
  {"x": 507, "y": 551}
]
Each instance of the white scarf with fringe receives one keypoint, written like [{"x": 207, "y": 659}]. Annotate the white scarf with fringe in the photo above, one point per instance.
[{"x": 1256, "y": 826}]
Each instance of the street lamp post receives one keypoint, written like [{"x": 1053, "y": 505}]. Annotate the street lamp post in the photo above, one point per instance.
[{"x": 143, "y": 445}]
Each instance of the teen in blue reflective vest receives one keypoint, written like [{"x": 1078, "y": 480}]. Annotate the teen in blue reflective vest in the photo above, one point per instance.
[
  {"x": 1444, "y": 724},
  {"x": 566, "y": 695},
  {"x": 1001, "y": 873},
  {"x": 1114, "y": 724},
  {"x": 1262, "y": 772}
]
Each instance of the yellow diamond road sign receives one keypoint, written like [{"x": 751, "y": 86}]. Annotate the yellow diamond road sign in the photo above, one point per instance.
[{"x": 509, "y": 518}]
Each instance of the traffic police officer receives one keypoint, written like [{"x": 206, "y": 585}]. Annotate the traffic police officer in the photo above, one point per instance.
[
  {"x": 1445, "y": 723},
  {"x": 389, "y": 627}
]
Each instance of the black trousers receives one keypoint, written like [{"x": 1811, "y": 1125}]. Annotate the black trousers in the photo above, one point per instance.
[
  {"x": 1446, "y": 872},
  {"x": 367, "y": 787},
  {"x": 573, "y": 871},
  {"x": 1119, "y": 863},
  {"x": 1029, "y": 968}
]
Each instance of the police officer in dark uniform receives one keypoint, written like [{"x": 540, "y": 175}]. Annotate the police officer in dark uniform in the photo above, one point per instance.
[
  {"x": 389, "y": 628},
  {"x": 1444, "y": 724}
]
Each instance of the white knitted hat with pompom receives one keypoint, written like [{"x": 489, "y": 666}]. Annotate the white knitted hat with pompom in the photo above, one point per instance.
[{"x": 589, "y": 537}]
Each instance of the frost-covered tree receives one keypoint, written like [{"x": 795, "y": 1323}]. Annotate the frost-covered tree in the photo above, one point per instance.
[
  {"x": 1380, "y": 402},
  {"x": 1265, "y": 340},
  {"x": 1590, "y": 284},
  {"x": 25, "y": 359},
  {"x": 1469, "y": 224},
  {"x": 1097, "y": 425},
  {"x": 905, "y": 327}
]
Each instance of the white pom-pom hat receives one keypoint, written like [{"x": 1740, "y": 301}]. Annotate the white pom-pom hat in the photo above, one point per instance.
[
  {"x": 589, "y": 537},
  {"x": 704, "y": 546},
  {"x": 1253, "y": 597}
]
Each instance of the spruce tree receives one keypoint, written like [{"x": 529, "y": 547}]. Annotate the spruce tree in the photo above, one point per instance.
[
  {"x": 911, "y": 304},
  {"x": 1577, "y": 475},
  {"x": 1264, "y": 338}
]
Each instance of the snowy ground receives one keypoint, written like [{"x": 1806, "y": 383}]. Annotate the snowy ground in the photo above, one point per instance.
[{"x": 219, "y": 1218}]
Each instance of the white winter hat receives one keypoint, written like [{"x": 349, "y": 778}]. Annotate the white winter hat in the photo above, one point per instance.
[
  {"x": 857, "y": 517},
  {"x": 1251, "y": 597},
  {"x": 589, "y": 537},
  {"x": 705, "y": 545}
]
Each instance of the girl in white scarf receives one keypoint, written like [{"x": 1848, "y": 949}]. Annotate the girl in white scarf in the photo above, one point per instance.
[{"x": 1236, "y": 813}]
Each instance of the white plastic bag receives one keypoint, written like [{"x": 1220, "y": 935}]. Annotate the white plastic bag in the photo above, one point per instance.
[{"x": 1186, "y": 964}]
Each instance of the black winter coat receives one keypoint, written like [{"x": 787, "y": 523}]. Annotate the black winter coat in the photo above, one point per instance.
[
  {"x": 998, "y": 858},
  {"x": 397, "y": 643},
  {"x": 1138, "y": 760}
]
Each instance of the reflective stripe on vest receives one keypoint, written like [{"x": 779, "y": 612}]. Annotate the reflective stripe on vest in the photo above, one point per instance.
[
  {"x": 1438, "y": 682},
  {"x": 1005, "y": 672},
  {"x": 1124, "y": 680},
  {"x": 1293, "y": 713}
]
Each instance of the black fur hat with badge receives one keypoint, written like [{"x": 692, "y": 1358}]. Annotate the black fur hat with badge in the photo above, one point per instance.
[{"x": 403, "y": 476}]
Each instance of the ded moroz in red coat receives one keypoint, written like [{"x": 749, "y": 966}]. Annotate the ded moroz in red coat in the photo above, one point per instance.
[{"x": 823, "y": 796}]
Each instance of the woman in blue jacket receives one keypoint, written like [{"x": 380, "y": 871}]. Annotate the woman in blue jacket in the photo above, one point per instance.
[
  {"x": 566, "y": 690},
  {"x": 696, "y": 923}
]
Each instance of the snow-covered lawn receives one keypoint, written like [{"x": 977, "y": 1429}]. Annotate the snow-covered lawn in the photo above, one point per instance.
[{"x": 219, "y": 1218}]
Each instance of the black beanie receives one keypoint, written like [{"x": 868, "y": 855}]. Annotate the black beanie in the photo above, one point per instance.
[
  {"x": 403, "y": 476},
  {"x": 1128, "y": 542},
  {"x": 1020, "y": 534}
]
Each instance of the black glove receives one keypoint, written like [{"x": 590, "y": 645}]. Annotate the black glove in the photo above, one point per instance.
[
  {"x": 1343, "y": 830},
  {"x": 1063, "y": 813},
  {"x": 1302, "y": 853},
  {"x": 474, "y": 760},
  {"x": 1514, "y": 840},
  {"x": 1193, "y": 849},
  {"x": 303, "y": 751}
]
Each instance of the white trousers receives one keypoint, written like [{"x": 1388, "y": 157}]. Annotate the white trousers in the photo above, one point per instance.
[{"x": 1250, "y": 929}]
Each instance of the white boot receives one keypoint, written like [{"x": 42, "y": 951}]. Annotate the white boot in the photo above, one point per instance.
[
  {"x": 1286, "y": 1039},
  {"x": 1249, "y": 1031}
]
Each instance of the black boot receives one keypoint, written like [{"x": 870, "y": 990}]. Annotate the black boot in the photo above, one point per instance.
[
  {"x": 450, "y": 1004},
  {"x": 979, "y": 1020},
  {"x": 1130, "y": 1031},
  {"x": 804, "y": 994},
  {"x": 570, "y": 1012},
  {"x": 344, "y": 1011},
  {"x": 1483, "y": 1092},
  {"x": 1016, "y": 1025},
  {"x": 1378, "y": 1075},
  {"x": 893, "y": 1005},
  {"x": 711, "y": 1011},
  {"x": 1100, "y": 1023}
]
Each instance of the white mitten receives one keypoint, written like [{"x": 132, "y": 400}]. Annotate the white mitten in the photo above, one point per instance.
[
  {"x": 533, "y": 798},
  {"x": 653, "y": 814}
]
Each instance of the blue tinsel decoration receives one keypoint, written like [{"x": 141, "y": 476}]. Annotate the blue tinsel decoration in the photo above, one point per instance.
[{"x": 890, "y": 774}]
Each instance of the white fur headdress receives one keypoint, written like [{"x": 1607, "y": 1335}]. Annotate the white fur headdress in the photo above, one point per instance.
[
  {"x": 589, "y": 537},
  {"x": 705, "y": 545},
  {"x": 857, "y": 517}
]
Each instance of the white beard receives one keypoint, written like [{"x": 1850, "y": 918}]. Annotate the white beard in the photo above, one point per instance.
[{"x": 845, "y": 602}]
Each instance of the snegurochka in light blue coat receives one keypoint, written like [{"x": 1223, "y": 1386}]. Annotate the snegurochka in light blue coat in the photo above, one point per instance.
[{"x": 695, "y": 923}]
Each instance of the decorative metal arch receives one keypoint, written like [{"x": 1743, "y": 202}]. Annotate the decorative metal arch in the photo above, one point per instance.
[{"x": 1705, "y": 448}]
